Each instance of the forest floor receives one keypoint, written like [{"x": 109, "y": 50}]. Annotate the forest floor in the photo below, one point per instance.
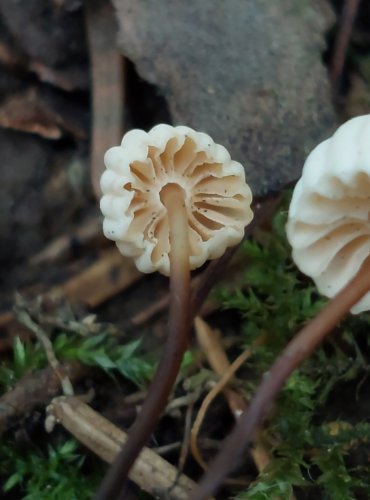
[{"x": 77, "y": 319}]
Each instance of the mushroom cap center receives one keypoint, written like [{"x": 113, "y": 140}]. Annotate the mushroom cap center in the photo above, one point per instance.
[{"x": 171, "y": 189}]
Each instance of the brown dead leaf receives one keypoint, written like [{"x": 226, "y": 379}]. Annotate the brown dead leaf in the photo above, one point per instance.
[
  {"x": 29, "y": 111},
  {"x": 26, "y": 113}
]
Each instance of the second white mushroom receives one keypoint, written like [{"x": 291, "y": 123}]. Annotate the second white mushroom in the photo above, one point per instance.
[{"x": 328, "y": 225}]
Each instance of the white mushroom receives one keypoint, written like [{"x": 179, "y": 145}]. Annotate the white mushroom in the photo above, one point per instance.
[
  {"x": 215, "y": 193},
  {"x": 172, "y": 199},
  {"x": 328, "y": 225}
]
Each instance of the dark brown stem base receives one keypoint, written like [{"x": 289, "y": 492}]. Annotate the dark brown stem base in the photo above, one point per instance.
[
  {"x": 302, "y": 345},
  {"x": 113, "y": 486}
]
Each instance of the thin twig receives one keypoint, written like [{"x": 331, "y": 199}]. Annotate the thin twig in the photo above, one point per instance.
[
  {"x": 183, "y": 401},
  {"x": 34, "y": 390},
  {"x": 150, "y": 472},
  {"x": 107, "y": 276},
  {"x": 167, "y": 448},
  {"x": 157, "y": 307},
  {"x": 186, "y": 439},
  {"x": 25, "y": 319},
  {"x": 161, "y": 305}
]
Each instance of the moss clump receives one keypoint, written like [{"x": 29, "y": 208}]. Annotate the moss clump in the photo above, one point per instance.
[{"x": 319, "y": 447}]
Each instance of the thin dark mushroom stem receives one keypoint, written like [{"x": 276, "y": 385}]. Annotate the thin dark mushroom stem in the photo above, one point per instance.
[
  {"x": 113, "y": 485},
  {"x": 298, "y": 349}
]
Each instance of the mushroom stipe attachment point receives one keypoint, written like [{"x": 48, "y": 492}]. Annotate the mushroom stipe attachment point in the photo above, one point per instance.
[
  {"x": 329, "y": 230},
  {"x": 172, "y": 199}
]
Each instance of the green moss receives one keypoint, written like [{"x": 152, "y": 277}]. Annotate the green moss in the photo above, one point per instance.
[
  {"x": 55, "y": 473},
  {"x": 102, "y": 351},
  {"x": 58, "y": 472},
  {"x": 274, "y": 299},
  {"x": 317, "y": 432}
]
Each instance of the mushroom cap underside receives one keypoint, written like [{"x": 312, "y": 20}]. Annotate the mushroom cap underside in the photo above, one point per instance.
[
  {"x": 216, "y": 196},
  {"x": 328, "y": 223}
]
